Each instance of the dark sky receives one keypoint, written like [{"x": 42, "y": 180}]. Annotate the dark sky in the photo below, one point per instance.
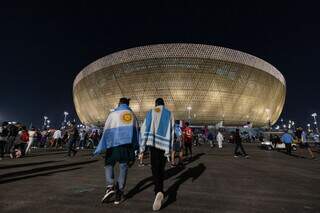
[{"x": 44, "y": 45}]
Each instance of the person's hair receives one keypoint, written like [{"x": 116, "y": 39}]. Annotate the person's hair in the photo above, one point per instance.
[
  {"x": 24, "y": 128},
  {"x": 159, "y": 102},
  {"x": 186, "y": 123},
  {"x": 73, "y": 123},
  {"x": 237, "y": 131},
  {"x": 5, "y": 123},
  {"x": 124, "y": 100}
]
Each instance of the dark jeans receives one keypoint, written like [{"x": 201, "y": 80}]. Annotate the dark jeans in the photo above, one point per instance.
[
  {"x": 72, "y": 147},
  {"x": 288, "y": 148},
  {"x": 188, "y": 148},
  {"x": 2, "y": 148},
  {"x": 158, "y": 163},
  {"x": 239, "y": 145}
]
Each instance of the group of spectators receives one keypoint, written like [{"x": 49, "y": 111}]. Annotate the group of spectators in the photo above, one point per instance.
[{"x": 17, "y": 140}]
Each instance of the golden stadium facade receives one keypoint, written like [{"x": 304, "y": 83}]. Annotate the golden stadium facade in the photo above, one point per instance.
[{"x": 206, "y": 84}]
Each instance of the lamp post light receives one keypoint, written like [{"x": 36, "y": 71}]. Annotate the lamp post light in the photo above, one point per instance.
[
  {"x": 45, "y": 120},
  {"x": 308, "y": 125},
  {"x": 314, "y": 115},
  {"x": 65, "y": 116}
]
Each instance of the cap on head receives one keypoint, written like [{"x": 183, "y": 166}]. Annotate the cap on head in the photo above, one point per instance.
[
  {"x": 124, "y": 100},
  {"x": 159, "y": 102}
]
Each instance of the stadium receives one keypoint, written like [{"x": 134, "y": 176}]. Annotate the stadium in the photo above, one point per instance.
[{"x": 201, "y": 83}]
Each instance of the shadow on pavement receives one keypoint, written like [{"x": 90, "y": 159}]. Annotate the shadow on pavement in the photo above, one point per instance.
[
  {"x": 292, "y": 155},
  {"x": 147, "y": 182},
  {"x": 37, "y": 175},
  {"x": 27, "y": 164},
  {"x": 172, "y": 191},
  {"x": 41, "y": 169}
]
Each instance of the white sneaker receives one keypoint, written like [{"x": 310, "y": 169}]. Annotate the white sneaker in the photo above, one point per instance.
[
  {"x": 109, "y": 193},
  {"x": 158, "y": 201}
]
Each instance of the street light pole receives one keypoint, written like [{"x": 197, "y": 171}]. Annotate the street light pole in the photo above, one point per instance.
[
  {"x": 308, "y": 125},
  {"x": 314, "y": 115},
  {"x": 45, "y": 121}
]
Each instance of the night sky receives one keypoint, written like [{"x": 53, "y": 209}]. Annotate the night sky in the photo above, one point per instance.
[{"x": 44, "y": 45}]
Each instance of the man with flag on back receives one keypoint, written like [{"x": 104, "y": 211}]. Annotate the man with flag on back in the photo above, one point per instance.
[
  {"x": 157, "y": 132},
  {"x": 119, "y": 141}
]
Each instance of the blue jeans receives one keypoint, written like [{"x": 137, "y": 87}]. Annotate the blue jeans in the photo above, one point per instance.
[{"x": 109, "y": 171}]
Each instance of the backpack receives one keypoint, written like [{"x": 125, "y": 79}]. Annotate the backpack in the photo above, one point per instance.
[{"x": 24, "y": 136}]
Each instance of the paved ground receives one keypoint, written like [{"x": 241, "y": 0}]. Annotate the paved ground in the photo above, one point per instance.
[{"x": 214, "y": 181}]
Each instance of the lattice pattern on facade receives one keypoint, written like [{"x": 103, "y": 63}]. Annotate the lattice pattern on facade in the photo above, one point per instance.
[{"x": 214, "y": 86}]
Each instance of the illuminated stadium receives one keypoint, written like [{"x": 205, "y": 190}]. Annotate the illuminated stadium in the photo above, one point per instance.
[{"x": 202, "y": 83}]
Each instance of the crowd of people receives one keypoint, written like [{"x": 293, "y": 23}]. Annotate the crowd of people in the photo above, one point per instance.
[
  {"x": 17, "y": 141},
  {"x": 122, "y": 141}
]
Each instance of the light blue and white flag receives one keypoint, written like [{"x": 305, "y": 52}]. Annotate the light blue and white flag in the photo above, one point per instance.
[
  {"x": 158, "y": 130},
  {"x": 121, "y": 128}
]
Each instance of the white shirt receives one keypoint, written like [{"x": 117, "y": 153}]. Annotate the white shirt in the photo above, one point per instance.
[{"x": 57, "y": 134}]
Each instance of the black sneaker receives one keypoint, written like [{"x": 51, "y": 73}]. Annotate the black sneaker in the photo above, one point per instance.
[
  {"x": 117, "y": 201},
  {"x": 109, "y": 193}
]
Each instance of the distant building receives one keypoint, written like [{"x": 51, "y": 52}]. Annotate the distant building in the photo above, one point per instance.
[{"x": 202, "y": 83}]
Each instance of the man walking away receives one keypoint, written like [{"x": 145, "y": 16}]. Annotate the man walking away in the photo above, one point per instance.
[
  {"x": 119, "y": 141},
  {"x": 287, "y": 140},
  {"x": 3, "y": 138},
  {"x": 157, "y": 132},
  {"x": 219, "y": 139},
  {"x": 187, "y": 139},
  {"x": 238, "y": 141}
]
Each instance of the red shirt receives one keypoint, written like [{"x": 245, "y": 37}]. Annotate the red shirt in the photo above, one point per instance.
[{"x": 187, "y": 135}]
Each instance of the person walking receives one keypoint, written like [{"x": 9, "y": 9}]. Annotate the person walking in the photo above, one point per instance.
[
  {"x": 238, "y": 141},
  {"x": 119, "y": 142},
  {"x": 177, "y": 145},
  {"x": 187, "y": 139},
  {"x": 305, "y": 145},
  {"x": 210, "y": 139},
  {"x": 219, "y": 138},
  {"x": 57, "y": 137},
  {"x": 287, "y": 139},
  {"x": 73, "y": 137},
  {"x": 4, "y": 133},
  {"x": 32, "y": 133},
  {"x": 157, "y": 132}
]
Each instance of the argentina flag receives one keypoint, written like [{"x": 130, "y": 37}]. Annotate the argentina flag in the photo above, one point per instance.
[
  {"x": 121, "y": 128},
  {"x": 158, "y": 130}
]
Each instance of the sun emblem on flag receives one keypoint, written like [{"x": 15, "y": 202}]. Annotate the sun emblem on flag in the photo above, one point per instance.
[
  {"x": 157, "y": 110},
  {"x": 126, "y": 117}
]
